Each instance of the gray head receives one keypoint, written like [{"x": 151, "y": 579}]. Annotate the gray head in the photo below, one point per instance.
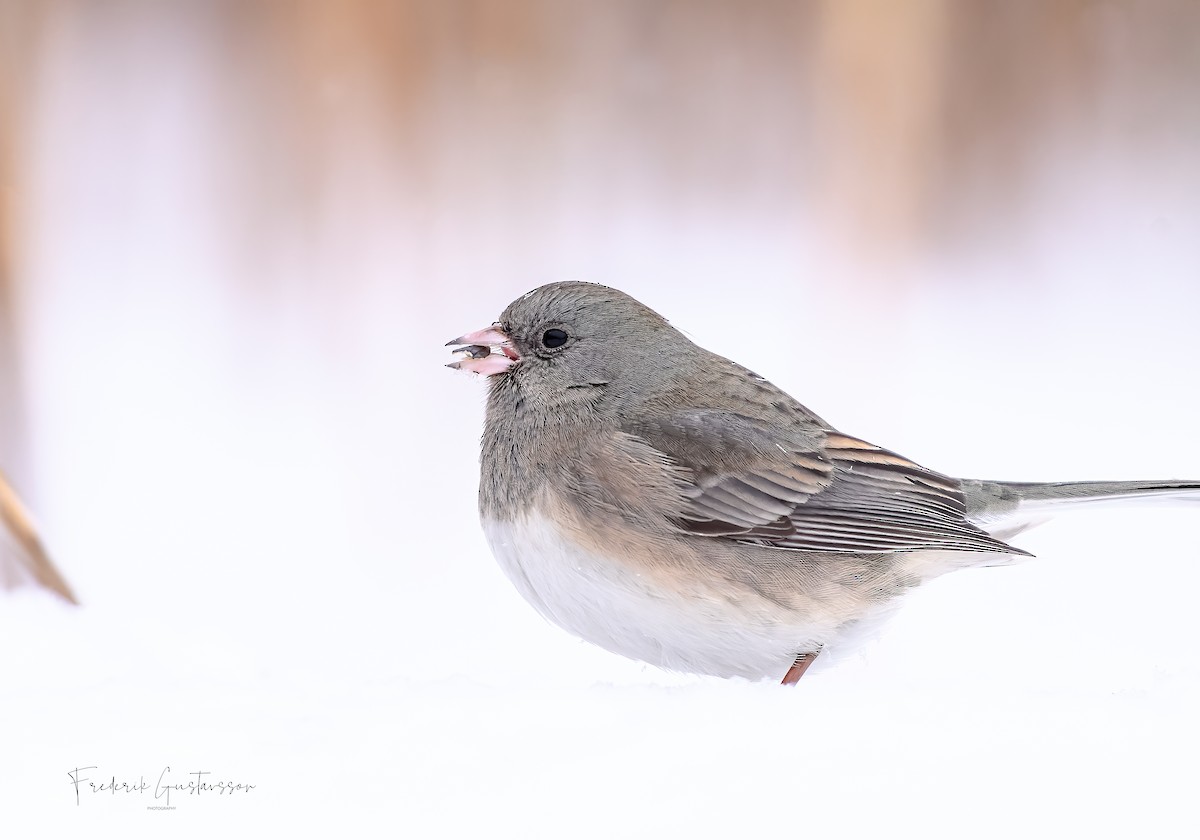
[{"x": 572, "y": 342}]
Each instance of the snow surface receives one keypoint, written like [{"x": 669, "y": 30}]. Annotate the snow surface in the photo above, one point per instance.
[{"x": 284, "y": 584}]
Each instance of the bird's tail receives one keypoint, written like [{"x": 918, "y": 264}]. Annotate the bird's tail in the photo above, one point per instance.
[{"x": 1005, "y": 508}]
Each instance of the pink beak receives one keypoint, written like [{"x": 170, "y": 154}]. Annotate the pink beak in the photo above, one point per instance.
[{"x": 486, "y": 352}]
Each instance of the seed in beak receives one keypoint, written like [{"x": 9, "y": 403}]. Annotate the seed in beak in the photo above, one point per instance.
[
  {"x": 475, "y": 351},
  {"x": 485, "y": 352}
]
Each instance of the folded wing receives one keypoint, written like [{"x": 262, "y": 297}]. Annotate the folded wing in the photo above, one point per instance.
[{"x": 805, "y": 489}]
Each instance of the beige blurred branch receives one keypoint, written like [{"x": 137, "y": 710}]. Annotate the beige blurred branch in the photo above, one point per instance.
[
  {"x": 882, "y": 75},
  {"x": 30, "y": 558},
  {"x": 22, "y": 556}
]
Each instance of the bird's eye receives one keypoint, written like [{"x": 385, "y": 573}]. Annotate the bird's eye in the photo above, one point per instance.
[{"x": 554, "y": 338}]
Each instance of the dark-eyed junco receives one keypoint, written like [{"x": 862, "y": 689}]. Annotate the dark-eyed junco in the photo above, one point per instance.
[{"x": 669, "y": 505}]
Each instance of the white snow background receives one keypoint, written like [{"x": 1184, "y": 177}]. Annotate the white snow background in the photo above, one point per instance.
[{"x": 267, "y": 507}]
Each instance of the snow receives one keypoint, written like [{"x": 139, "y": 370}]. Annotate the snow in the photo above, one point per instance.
[{"x": 284, "y": 584}]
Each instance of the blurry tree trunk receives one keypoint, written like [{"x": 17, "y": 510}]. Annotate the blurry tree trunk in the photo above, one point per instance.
[
  {"x": 22, "y": 557},
  {"x": 882, "y": 79},
  {"x": 13, "y": 61}
]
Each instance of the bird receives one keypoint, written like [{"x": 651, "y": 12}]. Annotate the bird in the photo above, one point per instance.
[{"x": 671, "y": 506}]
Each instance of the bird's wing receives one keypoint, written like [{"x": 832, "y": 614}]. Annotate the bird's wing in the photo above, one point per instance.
[{"x": 742, "y": 479}]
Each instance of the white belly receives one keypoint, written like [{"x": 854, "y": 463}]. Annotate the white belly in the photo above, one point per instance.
[{"x": 692, "y": 628}]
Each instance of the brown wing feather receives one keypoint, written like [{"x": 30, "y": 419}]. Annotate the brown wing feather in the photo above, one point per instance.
[{"x": 842, "y": 495}]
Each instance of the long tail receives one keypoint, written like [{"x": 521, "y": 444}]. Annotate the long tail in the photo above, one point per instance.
[{"x": 1005, "y": 508}]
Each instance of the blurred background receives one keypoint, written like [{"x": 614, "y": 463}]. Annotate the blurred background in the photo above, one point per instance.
[{"x": 235, "y": 235}]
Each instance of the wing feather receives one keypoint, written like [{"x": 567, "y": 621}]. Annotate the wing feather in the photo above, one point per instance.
[{"x": 830, "y": 492}]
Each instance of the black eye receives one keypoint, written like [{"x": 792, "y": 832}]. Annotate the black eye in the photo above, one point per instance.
[{"x": 554, "y": 338}]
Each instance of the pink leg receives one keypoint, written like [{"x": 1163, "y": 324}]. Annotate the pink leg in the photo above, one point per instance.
[{"x": 798, "y": 668}]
